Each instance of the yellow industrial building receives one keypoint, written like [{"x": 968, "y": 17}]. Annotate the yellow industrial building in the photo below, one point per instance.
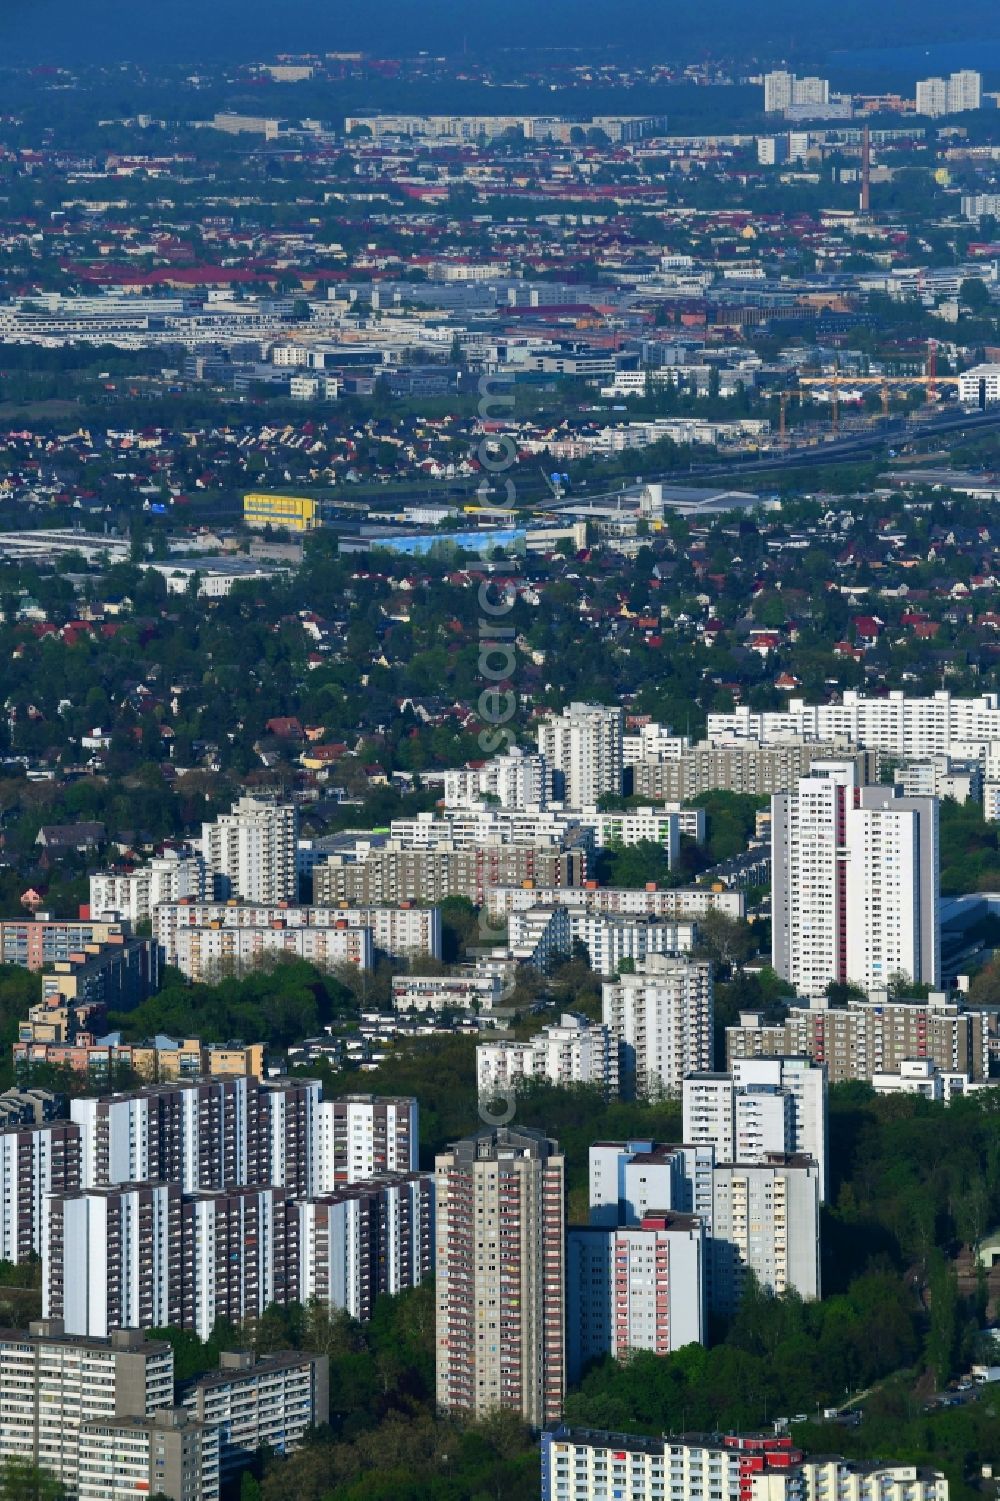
[{"x": 296, "y": 513}]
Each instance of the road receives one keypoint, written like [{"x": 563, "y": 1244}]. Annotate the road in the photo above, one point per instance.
[{"x": 840, "y": 451}]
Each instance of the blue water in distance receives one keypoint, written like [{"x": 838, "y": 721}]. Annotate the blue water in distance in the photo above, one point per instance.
[{"x": 922, "y": 62}]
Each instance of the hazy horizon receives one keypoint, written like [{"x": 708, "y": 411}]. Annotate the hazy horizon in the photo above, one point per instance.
[{"x": 64, "y": 31}]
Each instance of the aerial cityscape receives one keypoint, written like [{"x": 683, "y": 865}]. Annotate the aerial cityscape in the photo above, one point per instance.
[{"x": 499, "y": 752}]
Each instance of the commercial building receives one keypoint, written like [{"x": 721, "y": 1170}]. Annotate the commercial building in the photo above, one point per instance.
[
  {"x": 763, "y": 1105},
  {"x": 53, "y": 1383},
  {"x": 639, "y": 1287},
  {"x": 112, "y": 1258},
  {"x": 500, "y": 1275},
  {"x": 362, "y": 1136},
  {"x": 267, "y": 1400},
  {"x": 583, "y": 748},
  {"x": 292, "y": 513},
  {"x": 35, "y": 1161},
  {"x": 765, "y": 1222},
  {"x": 251, "y": 852},
  {"x": 662, "y": 1019},
  {"x": 366, "y": 1239},
  {"x": 573, "y": 1050},
  {"x": 863, "y": 1038},
  {"x": 980, "y": 385},
  {"x": 855, "y": 883}
]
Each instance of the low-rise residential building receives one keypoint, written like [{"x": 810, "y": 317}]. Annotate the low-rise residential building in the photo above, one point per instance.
[
  {"x": 469, "y": 991},
  {"x": 922, "y": 1076}
]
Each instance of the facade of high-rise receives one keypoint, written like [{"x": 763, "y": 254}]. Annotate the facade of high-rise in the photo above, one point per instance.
[
  {"x": 206, "y": 955},
  {"x": 235, "y": 1256},
  {"x": 35, "y": 1161},
  {"x": 783, "y": 89},
  {"x": 763, "y": 1105},
  {"x": 364, "y": 1240},
  {"x": 270, "y": 1400},
  {"x": 681, "y": 903},
  {"x": 864, "y": 1038},
  {"x": 634, "y": 1287},
  {"x": 250, "y": 852},
  {"x": 167, "y": 1454},
  {"x": 542, "y": 935},
  {"x": 112, "y": 1258},
  {"x": 52, "y": 1383},
  {"x": 855, "y": 883},
  {"x": 573, "y": 1050},
  {"x": 765, "y": 1221},
  {"x": 898, "y": 724},
  {"x": 391, "y": 873},
  {"x": 662, "y": 1019},
  {"x": 500, "y": 1275},
  {"x": 954, "y": 95},
  {"x": 205, "y": 1133},
  {"x": 134, "y": 895},
  {"x": 516, "y": 780},
  {"x": 361, "y": 1136},
  {"x": 41, "y": 940},
  {"x": 749, "y": 767},
  {"x": 758, "y": 1217},
  {"x": 583, "y": 748}
]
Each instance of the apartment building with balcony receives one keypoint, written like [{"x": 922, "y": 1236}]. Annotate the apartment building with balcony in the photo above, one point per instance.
[{"x": 499, "y": 1275}]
